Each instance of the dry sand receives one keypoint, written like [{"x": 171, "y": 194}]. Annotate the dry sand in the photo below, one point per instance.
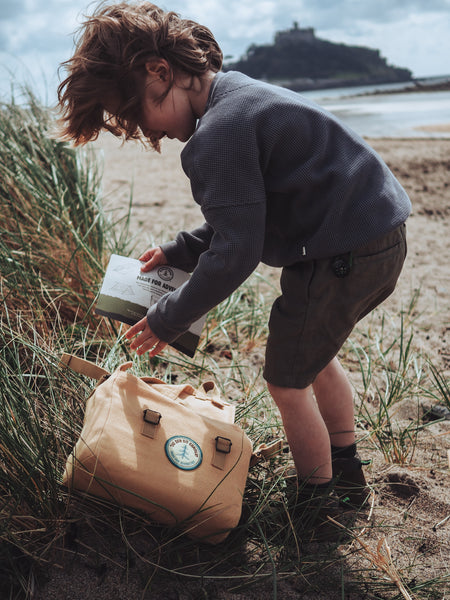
[{"x": 412, "y": 501}]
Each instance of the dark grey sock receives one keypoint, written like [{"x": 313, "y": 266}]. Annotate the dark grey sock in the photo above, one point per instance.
[{"x": 343, "y": 451}]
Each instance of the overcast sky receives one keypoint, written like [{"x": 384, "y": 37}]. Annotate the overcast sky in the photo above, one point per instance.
[{"x": 36, "y": 35}]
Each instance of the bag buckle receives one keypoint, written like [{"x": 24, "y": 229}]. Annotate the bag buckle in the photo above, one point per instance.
[
  {"x": 223, "y": 447},
  {"x": 152, "y": 416},
  {"x": 151, "y": 420},
  {"x": 223, "y": 444}
]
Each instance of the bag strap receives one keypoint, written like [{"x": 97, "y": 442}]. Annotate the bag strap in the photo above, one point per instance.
[{"x": 82, "y": 366}]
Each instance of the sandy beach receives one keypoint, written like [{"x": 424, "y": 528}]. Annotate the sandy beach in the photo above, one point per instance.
[{"x": 415, "y": 495}]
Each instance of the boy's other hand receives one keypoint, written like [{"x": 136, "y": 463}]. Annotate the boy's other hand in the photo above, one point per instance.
[
  {"x": 152, "y": 258},
  {"x": 146, "y": 340}
]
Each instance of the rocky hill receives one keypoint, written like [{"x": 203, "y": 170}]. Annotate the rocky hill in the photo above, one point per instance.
[{"x": 299, "y": 60}]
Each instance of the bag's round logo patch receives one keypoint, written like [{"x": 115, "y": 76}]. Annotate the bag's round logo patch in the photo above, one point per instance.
[{"x": 183, "y": 452}]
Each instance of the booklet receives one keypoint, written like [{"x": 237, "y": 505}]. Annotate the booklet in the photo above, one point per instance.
[{"x": 127, "y": 293}]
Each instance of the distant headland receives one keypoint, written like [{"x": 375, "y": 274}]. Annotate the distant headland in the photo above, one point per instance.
[{"x": 301, "y": 61}]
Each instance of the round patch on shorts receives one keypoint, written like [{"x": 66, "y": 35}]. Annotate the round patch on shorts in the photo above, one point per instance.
[{"x": 183, "y": 452}]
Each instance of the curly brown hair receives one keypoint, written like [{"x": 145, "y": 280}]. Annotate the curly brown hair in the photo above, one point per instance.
[{"x": 107, "y": 68}]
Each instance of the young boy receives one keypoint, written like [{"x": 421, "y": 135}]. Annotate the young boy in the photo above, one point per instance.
[{"x": 278, "y": 180}]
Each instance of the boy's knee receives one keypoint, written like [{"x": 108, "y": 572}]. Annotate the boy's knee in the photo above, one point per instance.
[
  {"x": 276, "y": 390},
  {"x": 283, "y": 395}
]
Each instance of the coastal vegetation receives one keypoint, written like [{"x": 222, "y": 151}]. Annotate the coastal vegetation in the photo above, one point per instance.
[{"x": 56, "y": 238}]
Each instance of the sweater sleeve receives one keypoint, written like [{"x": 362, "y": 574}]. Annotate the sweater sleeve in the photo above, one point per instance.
[
  {"x": 185, "y": 250},
  {"x": 234, "y": 253}
]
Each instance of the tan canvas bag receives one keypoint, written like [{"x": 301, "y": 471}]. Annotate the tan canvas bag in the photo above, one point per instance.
[{"x": 170, "y": 450}]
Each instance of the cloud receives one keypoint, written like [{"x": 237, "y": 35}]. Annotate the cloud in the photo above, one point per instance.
[
  {"x": 326, "y": 13},
  {"x": 409, "y": 33},
  {"x": 10, "y": 9},
  {"x": 41, "y": 27}
]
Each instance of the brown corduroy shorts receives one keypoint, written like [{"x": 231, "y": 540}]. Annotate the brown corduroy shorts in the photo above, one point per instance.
[{"x": 320, "y": 304}]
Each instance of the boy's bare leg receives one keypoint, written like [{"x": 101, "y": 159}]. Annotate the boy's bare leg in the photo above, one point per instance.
[
  {"x": 306, "y": 433},
  {"x": 311, "y": 426},
  {"x": 334, "y": 396}
]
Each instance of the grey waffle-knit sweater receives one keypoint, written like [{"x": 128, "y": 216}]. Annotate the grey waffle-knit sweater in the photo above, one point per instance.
[{"x": 278, "y": 180}]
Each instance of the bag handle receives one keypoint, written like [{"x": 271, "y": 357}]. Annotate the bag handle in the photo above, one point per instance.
[
  {"x": 82, "y": 366},
  {"x": 209, "y": 392},
  {"x": 264, "y": 451}
]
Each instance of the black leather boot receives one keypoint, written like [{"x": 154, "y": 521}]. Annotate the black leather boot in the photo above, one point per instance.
[{"x": 351, "y": 485}]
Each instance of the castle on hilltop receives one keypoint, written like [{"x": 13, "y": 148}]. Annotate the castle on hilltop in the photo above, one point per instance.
[
  {"x": 294, "y": 35},
  {"x": 299, "y": 60}
]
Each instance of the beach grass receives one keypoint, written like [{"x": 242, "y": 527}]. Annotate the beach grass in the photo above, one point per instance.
[{"x": 55, "y": 242}]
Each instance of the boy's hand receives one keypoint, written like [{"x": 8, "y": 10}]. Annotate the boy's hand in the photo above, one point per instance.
[
  {"x": 152, "y": 258},
  {"x": 146, "y": 340}
]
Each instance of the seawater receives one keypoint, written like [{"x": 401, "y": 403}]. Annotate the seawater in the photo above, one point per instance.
[{"x": 387, "y": 114}]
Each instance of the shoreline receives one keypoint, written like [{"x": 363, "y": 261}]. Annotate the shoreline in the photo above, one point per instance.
[
  {"x": 417, "y": 86},
  {"x": 413, "y": 85},
  {"x": 438, "y": 128}
]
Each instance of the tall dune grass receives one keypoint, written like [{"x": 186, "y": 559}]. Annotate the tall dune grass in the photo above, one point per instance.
[
  {"x": 55, "y": 240},
  {"x": 53, "y": 233}
]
